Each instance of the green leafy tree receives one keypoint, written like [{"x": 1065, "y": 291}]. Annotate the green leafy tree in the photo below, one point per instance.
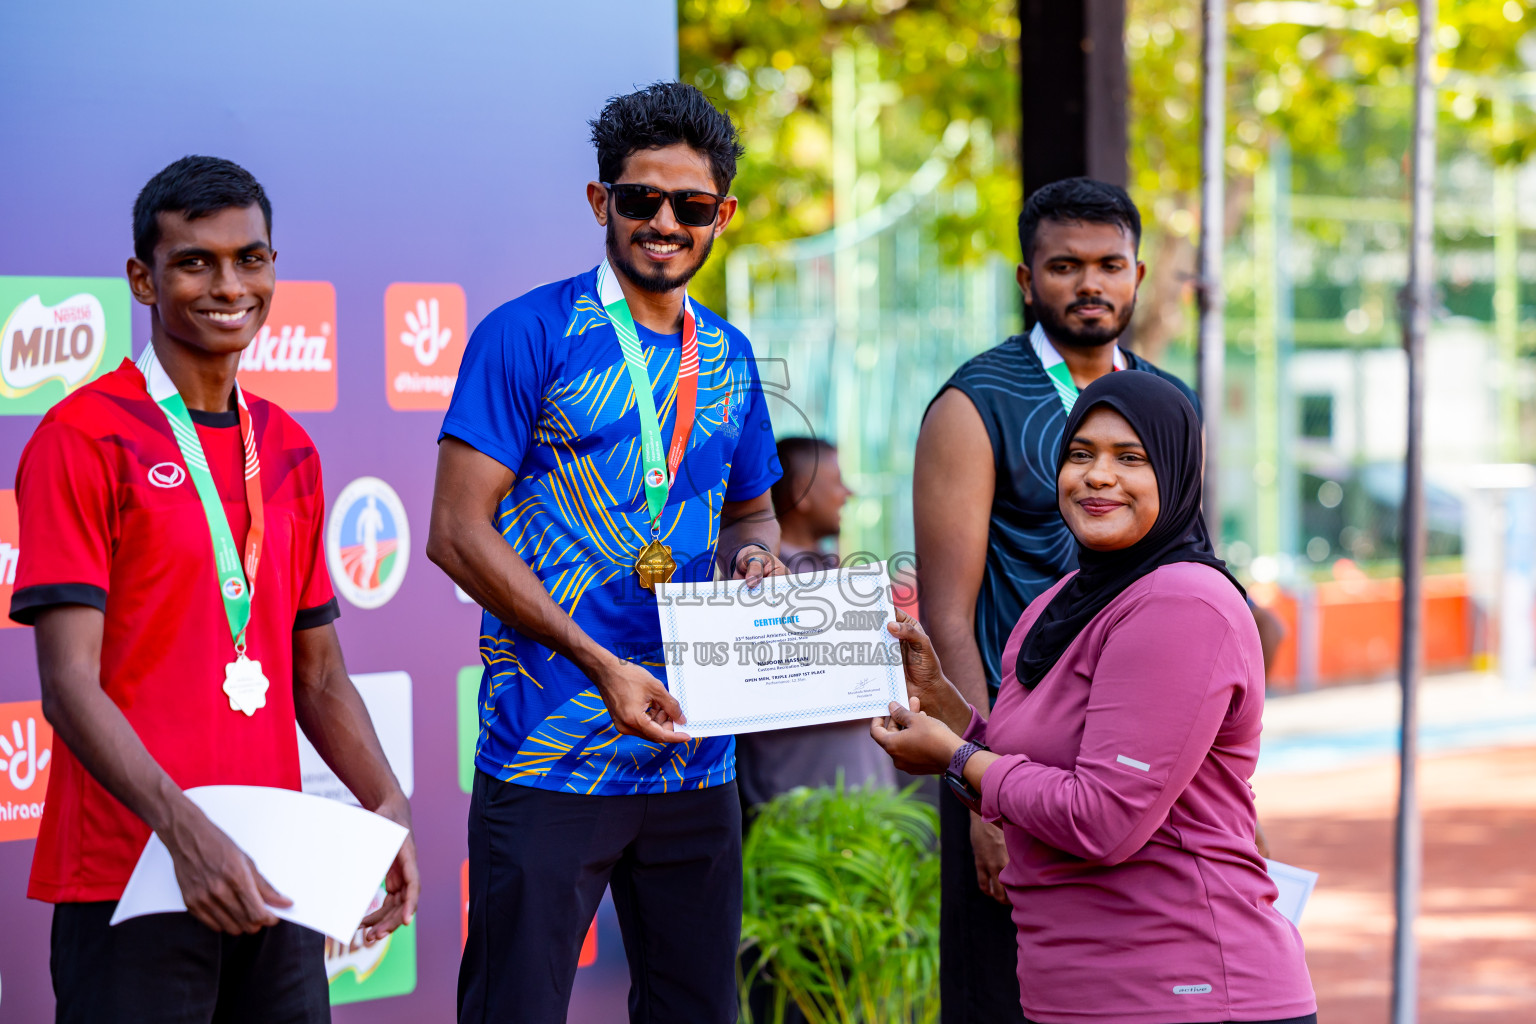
[
  {"x": 1331, "y": 77},
  {"x": 921, "y": 64},
  {"x": 1333, "y": 80}
]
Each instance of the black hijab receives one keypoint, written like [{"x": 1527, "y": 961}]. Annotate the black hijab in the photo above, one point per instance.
[{"x": 1170, "y": 431}]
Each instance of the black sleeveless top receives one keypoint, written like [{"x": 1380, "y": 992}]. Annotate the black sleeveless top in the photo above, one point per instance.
[{"x": 1028, "y": 545}]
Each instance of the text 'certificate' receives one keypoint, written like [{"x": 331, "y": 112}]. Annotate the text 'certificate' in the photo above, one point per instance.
[{"x": 799, "y": 650}]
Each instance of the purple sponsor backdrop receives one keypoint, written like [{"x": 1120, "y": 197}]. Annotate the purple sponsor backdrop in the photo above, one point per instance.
[{"x": 399, "y": 142}]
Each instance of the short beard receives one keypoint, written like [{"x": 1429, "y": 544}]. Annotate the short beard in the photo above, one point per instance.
[
  {"x": 658, "y": 280},
  {"x": 1055, "y": 326}
]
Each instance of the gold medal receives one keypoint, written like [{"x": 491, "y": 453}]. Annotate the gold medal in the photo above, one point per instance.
[
  {"x": 655, "y": 565},
  {"x": 245, "y": 685}
]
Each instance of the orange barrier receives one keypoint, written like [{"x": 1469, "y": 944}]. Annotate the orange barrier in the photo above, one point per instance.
[{"x": 1357, "y": 623}]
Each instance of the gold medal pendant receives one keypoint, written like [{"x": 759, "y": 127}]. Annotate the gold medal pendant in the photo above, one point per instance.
[
  {"x": 245, "y": 685},
  {"x": 655, "y": 565}
]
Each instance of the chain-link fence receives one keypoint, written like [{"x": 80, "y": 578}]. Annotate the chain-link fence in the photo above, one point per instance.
[{"x": 861, "y": 326}]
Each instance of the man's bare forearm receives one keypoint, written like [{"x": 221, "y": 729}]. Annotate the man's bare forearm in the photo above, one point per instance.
[
  {"x": 478, "y": 559},
  {"x": 463, "y": 540},
  {"x": 952, "y": 490},
  {"x": 954, "y": 641},
  {"x": 332, "y": 714},
  {"x": 92, "y": 726}
]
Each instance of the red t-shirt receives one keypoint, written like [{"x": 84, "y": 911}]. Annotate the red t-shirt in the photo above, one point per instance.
[{"x": 110, "y": 518}]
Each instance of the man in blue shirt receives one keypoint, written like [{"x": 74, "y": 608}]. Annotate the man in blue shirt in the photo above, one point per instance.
[{"x": 606, "y": 432}]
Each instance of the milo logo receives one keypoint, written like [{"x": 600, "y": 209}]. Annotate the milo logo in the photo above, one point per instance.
[
  {"x": 57, "y": 334},
  {"x": 43, "y": 343}
]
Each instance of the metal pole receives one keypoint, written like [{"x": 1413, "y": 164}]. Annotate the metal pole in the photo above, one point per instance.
[
  {"x": 1213, "y": 340},
  {"x": 1417, "y": 297},
  {"x": 1267, "y": 442},
  {"x": 1506, "y": 280}
]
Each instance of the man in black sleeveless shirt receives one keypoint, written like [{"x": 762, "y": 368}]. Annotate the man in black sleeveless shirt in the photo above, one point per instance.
[{"x": 989, "y": 537}]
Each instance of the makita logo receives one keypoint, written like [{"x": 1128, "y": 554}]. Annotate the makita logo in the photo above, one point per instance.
[
  {"x": 292, "y": 360},
  {"x": 41, "y": 343},
  {"x": 10, "y": 555},
  {"x": 290, "y": 350}
]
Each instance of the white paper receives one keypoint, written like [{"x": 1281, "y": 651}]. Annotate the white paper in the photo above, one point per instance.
[
  {"x": 387, "y": 696},
  {"x": 327, "y": 857},
  {"x": 800, "y": 650},
  {"x": 1295, "y": 885}
]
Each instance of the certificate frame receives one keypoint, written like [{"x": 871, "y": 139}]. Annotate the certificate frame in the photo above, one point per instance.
[{"x": 840, "y": 636}]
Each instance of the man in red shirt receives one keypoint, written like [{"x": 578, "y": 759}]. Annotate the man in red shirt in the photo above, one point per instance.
[{"x": 183, "y": 621}]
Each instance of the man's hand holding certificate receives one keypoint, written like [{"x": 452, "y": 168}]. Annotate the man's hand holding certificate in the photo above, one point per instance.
[{"x": 797, "y": 650}]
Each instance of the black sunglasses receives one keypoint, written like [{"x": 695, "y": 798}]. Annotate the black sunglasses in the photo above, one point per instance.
[{"x": 690, "y": 206}]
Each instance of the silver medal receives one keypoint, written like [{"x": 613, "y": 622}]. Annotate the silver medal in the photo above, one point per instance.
[{"x": 245, "y": 685}]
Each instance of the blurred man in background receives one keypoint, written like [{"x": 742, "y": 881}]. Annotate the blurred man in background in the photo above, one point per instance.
[
  {"x": 989, "y": 536},
  {"x": 808, "y": 500}
]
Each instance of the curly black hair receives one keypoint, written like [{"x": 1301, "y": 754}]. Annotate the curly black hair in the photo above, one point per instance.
[
  {"x": 663, "y": 114},
  {"x": 194, "y": 186},
  {"x": 1077, "y": 199}
]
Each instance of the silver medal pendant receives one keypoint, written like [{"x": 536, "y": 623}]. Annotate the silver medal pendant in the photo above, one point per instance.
[{"x": 245, "y": 685}]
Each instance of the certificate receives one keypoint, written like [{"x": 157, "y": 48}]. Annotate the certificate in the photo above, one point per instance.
[
  {"x": 326, "y": 857},
  {"x": 1295, "y": 887},
  {"x": 799, "y": 650}
]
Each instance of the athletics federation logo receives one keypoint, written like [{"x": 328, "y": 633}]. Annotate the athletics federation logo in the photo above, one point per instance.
[
  {"x": 367, "y": 542},
  {"x": 654, "y": 478},
  {"x": 166, "y": 474}
]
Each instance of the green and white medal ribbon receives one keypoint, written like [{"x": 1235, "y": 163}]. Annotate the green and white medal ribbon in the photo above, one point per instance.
[
  {"x": 1056, "y": 367},
  {"x": 659, "y": 467},
  {"x": 244, "y": 683}
]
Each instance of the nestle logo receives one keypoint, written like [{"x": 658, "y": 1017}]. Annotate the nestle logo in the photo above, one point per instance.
[{"x": 72, "y": 314}]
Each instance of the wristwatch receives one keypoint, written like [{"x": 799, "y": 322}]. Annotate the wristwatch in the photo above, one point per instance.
[{"x": 954, "y": 776}]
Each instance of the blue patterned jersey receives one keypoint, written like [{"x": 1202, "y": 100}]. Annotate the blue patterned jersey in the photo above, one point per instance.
[{"x": 543, "y": 390}]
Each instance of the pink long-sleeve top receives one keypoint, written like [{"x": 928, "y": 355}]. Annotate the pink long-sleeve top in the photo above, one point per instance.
[{"x": 1137, "y": 890}]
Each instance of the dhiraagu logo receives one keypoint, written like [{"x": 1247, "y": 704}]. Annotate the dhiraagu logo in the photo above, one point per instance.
[
  {"x": 26, "y": 752},
  {"x": 469, "y": 723},
  {"x": 57, "y": 334}
]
